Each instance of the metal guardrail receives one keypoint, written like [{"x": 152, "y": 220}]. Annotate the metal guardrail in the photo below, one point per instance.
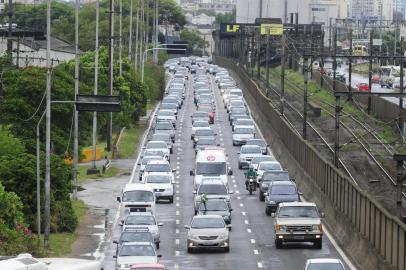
[{"x": 385, "y": 232}]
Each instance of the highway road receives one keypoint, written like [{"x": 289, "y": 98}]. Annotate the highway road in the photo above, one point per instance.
[{"x": 252, "y": 238}]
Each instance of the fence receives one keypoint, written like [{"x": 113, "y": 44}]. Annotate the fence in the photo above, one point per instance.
[{"x": 363, "y": 215}]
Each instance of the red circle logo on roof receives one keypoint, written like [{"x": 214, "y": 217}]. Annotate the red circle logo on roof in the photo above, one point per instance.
[{"x": 211, "y": 158}]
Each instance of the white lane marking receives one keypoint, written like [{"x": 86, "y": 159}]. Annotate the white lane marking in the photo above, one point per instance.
[
  {"x": 177, "y": 204},
  {"x": 177, "y": 213},
  {"x": 177, "y": 242},
  {"x": 235, "y": 185},
  {"x": 241, "y": 205},
  {"x": 232, "y": 176},
  {"x": 177, "y": 198},
  {"x": 246, "y": 222},
  {"x": 243, "y": 213},
  {"x": 256, "y": 252},
  {"x": 237, "y": 191},
  {"x": 177, "y": 191},
  {"x": 233, "y": 180},
  {"x": 252, "y": 241},
  {"x": 177, "y": 253},
  {"x": 177, "y": 231},
  {"x": 248, "y": 230},
  {"x": 259, "y": 264},
  {"x": 178, "y": 157},
  {"x": 177, "y": 222},
  {"x": 177, "y": 162}
]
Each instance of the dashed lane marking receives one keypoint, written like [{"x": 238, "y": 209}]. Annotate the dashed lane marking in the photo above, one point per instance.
[
  {"x": 252, "y": 241},
  {"x": 260, "y": 265},
  {"x": 246, "y": 222},
  {"x": 256, "y": 252},
  {"x": 249, "y": 230}
]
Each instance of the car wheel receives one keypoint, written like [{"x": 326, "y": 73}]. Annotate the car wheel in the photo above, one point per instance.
[
  {"x": 234, "y": 144},
  {"x": 318, "y": 244},
  {"x": 157, "y": 245},
  {"x": 227, "y": 249},
  {"x": 171, "y": 151},
  {"x": 261, "y": 196},
  {"x": 278, "y": 243},
  {"x": 171, "y": 199},
  {"x": 268, "y": 211},
  {"x": 189, "y": 250},
  {"x": 239, "y": 166}
]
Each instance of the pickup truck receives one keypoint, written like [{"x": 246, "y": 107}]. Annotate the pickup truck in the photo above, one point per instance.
[{"x": 298, "y": 222}]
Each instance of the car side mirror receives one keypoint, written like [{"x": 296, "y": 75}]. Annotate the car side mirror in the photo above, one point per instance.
[
  {"x": 266, "y": 194},
  {"x": 115, "y": 257},
  {"x": 300, "y": 193},
  {"x": 192, "y": 173},
  {"x": 174, "y": 170},
  {"x": 273, "y": 215},
  {"x": 115, "y": 242},
  {"x": 229, "y": 226},
  {"x": 230, "y": 192},
  {"x": 160, "y": 224},
  {"x": 187, "y": 227},
  {"x": 293, "y": 179},
  {"x": 118, "y": 199},
  {"x": 194, "y": 192},
  {"x": 230, "y": 172},
  {"x": 159, "y": 255},
  {"x": 322, "y": 214}
]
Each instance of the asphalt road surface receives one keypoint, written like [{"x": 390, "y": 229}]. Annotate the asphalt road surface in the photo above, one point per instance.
[{"x": 252, "y": 238}]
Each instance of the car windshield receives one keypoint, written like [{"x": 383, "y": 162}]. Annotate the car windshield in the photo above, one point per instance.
[
  {"x": 237, "y": 103},
  {"x": 158, "y": 179},
  {"x": 298, "y": 212},
  {"x": 202, "y": 223},
  {"x": 152, "y": 152},
  {"x": 260, "y": 143},
  {"x": 251, "y": 149},
  {"x": 201, "y": 124},
  {"x": 145, "y": 160},
  {"x": 210, "y": 168},
  {"x": 129, "y": 236},
  {"x": 214, "y": 205},
  {"x": 140, "y": 220},
  {"x": 212, "y": 189},
  {"x": 206, "y": 142},
  {"x": 199, "y": 114},
  {"x": 323, "y": 266},
  {"x": 164, "y": 126},
  {"x": 283, "y": 190},
  {"x": 244, "y": 122},
  {"x": 168, "y": 106},
  {"x": 165, "y": 113},
  {"x": 238, "y": 110},
  {"x": 158, "y": 168},
  {"x": 257, "y": 160},
  {"x": 156, "y": 145},
  {"x": 138, "y": 196},
  {"x": 137, "y": 250},
  {"x": 275, "y": 176},
  {"x": 161, "y": 137},
  {"x": 204, "y": 132},
  {"x": 268, "y": 166}
]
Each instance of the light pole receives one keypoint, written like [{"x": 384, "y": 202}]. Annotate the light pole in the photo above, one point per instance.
[{"x": 39, "y": 184}]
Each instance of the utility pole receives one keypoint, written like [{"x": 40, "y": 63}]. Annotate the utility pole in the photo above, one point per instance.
[
  {"x": 130, "y": 41},
  {"x": 322, "y": 59},
  {"x": 329, "y": 35},
  {"x": 259, "y": 54},
  {"x": 267, "y": 57},
  {"x": 350, "y": 68},
  {"x": 312, "y": 50},
  {"x": 136, "y": 36},
  {"x": 10, "y": 30},
  {"x": 120, "y": 44},
  {"x": 401, "y": 120},
  {"x": 142, "y": 32},
  {"x": 47, "y": 185},
  {"x": 111, "y": 73},
  {"x": 338, "y": 107},
  {"x": 334, "y": 58},
  {"x": 306, "y": 78},
  {"x": 282, "y": 97},
  {"x": 156, "y": 31},
  {"x": 370, "y": 71},
  {"x": 76, "y": 114},
  {"x": 96, "y": 84}
]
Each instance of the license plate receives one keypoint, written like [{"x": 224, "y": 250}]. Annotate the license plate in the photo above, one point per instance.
[
  {"x": 206, "y": 243},
  {"x": 298, "y": 237}
]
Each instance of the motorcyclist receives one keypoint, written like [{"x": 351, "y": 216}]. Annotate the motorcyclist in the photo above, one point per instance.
[{"x": 251, "y": 173}]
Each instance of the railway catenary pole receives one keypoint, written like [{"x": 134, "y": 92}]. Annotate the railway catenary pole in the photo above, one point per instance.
[
  {"x": 268, "y": 34},
  {"x": 371, "y": 34},
  {"x": 350, "y": 67},
  {"x": 401, "y": 120},
  {"x": 259, "y": 45},
  {"x": 305, "y": 96},
  {"x": 283, "y": 60}
]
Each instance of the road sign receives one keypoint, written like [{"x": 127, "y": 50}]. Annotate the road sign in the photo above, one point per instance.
[
  {"x": 98, "y": 103},
  {"x": 178, "y": 47}
]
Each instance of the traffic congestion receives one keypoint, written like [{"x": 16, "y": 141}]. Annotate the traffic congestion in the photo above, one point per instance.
[{"x": 207, "y": 190}]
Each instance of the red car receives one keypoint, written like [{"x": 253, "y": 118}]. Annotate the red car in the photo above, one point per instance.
[
  {"x": 363, "y": 87},
  {"x": 147, "y": 266},
  {"x": 376, "y": 78}
]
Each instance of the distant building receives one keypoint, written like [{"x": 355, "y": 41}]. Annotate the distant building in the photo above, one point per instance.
[
  {"x": 372, "y": 9},
  {"x": 399, "y": 8},
  {"x": 218, "y": 6},
  {"x": 31, "y": 52},
  {"x": 201, "y": 19}
]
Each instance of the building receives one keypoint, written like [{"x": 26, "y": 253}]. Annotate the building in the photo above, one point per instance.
[
  {"x": 319, "y": 11},
  {"x": 372, "y": 9},
  {"x": 399, "y": 7},
  {"x": 32, "y": 52},
  {"x": 201, "y": 19},
  {"x": 217, "y": 6}
]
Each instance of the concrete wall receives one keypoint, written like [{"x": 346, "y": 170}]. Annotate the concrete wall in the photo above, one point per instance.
[{"x": 370, "y": 236}]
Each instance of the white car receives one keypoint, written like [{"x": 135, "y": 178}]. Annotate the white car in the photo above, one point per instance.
[
  {"x": 266, "y": 166},
  {"x": 147, "y": 159},
  {"x": 324, "y": 264},
  {"x": 161, "y": 146},
  {"x": 136, "y": 198},
  {"x": 157, "y": 167},
  {"x": 256, "y": 160},
  {"x": 162, "y": 184},
  {"x": 143, "y": 221},
  {"x": 199, "y": 125},
  {"x": 166, "y": 115},
  {"x": 208, "y": 231},
  {"x": 132, "y": 253},
  {"x": 242, "y": 134},
  {"x": 243, "y": 123},
  {"x": 246, "y": 154}
]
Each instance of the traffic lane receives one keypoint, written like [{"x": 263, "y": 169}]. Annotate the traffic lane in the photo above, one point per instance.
[
  {"x": 260, "y": 225},
  {"x": 237, "y": 258}
]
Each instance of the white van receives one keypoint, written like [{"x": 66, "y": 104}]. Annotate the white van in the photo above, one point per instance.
[
  {"x": 27, "y": 262},
  {"x": 211, "y": 161},
  {"x": 136, "y": 198}
]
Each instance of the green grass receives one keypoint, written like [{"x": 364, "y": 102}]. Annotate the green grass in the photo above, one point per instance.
[
  {"x": 364, "y": 68},
  {"x": 61, "y": 243},
  {"x": 129, "y": 141},
  {"x": 84, "y": 177}
]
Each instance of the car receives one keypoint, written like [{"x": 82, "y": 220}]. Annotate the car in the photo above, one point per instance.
[
  {"x": 278, "y": 192},
  {"x": 271, "y": 176},
  {"x": 153, "y": 152},
  {"x": 136, "y": 198},
  {"x": 145, "y": 221},
  {"x": 199, "y": 125},
  {"x": 211, "y": 112},
  {"x": 134, "y": 253},
  {"x": 213, "y": 188},
  {"x": 141, "y": 235},
  {"x": 163, "y": 137},
  {"x": 165, "y": 127},
  {"x": 324, "y": 264},
  {"x": 235, "y": 103},
  {"x": 162, "y": 184},
  {"x": 157, "y": 167},
  {"x": 166, "y": 115},
  {"x": 363, "y": 87},
  {"x": 256, "y": 160},
  {"x": 203, "y": 133},
  {"x": 260, "y": 142},
  {"x": 216, "y": 207},
  {"x": 160, "y": 146},
  {"x": 149, "y": 266},
  {"x": 298, "y": 222},
  {"x": 208, "y": 231},
  {"x": 340, "y": 77},
  {"x": 266, "y": 166},
  {"x": 169, "y": 106},
  {"x": 242, "y": 134},
  {"x": 199, "y": 116},
  {"x": 202, "y": 143},
  {"x": 144, "y": 161},
  {"x": 243, "y": 123},
  {"x": 246, "y": 154}
]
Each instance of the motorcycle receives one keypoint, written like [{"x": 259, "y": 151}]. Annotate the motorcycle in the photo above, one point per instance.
[{"x": 252, "y": 185}]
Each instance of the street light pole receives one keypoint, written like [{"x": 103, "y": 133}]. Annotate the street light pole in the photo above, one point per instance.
[
  {"x": 130, "y": 41},
  {"x": 111, "y": 73},
  {"x": 120, "y": 44},
  {"x": 136, "y": 36},
  {"x": 39, "y": 184}
]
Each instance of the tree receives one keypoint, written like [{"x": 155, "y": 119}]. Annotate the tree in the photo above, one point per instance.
[
  {"x": 228, "y": 17},
  {"x": 197, "y": 45}
]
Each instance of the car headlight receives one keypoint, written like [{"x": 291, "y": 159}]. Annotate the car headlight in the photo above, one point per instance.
[
  {"x": 223, "y": 236},
  {"x": 243, "y": 159},
  {"x": 280, "y": 227},
  {"x": 264, "y": 184},
  {"x": 193, "y": 237},
  {"x": 318, "y": 227}
]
